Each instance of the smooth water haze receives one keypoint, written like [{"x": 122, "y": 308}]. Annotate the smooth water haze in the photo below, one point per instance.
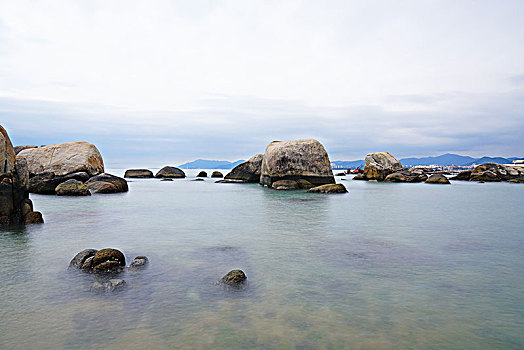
[{"x": 383, "y": 266}]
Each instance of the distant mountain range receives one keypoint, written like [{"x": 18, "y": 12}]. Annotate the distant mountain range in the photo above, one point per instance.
[
  {"x": 442, "y": 160},
  {"x": 210, "y": 164}
]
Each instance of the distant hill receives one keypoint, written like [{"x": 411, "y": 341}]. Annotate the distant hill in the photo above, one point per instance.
[
  {"x": 210, "y": 164},
  {"x": 347, "y": 164},
  {"x": 498, "y": 160},
  {"x": 445, "y": 159}
]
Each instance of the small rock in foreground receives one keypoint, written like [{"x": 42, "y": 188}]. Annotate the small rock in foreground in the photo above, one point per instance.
[
  {"x": 72, "y": 187},
  {"x": 235, "y": 279},
  {"x": 329, "y": 189},
  {"x": 438, "y": 179},
  {"x": 139, "y": 262}
]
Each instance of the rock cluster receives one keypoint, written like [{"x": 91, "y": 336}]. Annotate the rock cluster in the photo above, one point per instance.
[
  {"x": 15, "y": 205},
  {"x": 329, "y": 188},
  {"x": 379, "y": 165},
  {"x": 492, "y": 172},
  {"x": 406, "y": 176}
]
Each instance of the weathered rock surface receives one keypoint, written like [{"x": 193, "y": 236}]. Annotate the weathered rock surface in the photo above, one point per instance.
[
  {"x": 80, "y": 258},
  {"x": 379, "y": 165},
  {"x": 202, "y": 174},
  {"x": 495, "y": 172},
  {"x": 463, "y": 176},
  {"x": 329, "y": 189},
  {"x": 285, "y": 185},
  {"x": 360, "y": 177},
  {"x": 103, "y": 261},
  {"x": 405, "y": 176},
  {"x": 518, "y": 180},
  {"x": 46, "y": 183},
  {"x": 72, "y": 188},
  {"x": 64, "y": 158},
  {"x": 107, "y": 183},
  {"x": 110, "y": 286},
  {"x": 139, "y": 262},
  {"x": 304, "y": 184},
  {"x": 296, "y": 159},
  {"x": 217, "y": 174},
  {"x": 438, "y": 179},
  {"x": 139, "y": 173},
  {"x": 20, "y": 148},
  {"x": 235, "y": 279},
  {"x": 15, "y": 205},
  {"x": 248, "y": 171},
  {"x": 170, "y": 172}
]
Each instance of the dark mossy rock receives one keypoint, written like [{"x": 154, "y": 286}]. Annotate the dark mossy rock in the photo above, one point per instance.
[
  {"x": 360, "y": 177},
  {"x": 107, "y": 267},
  {"x": 438, "y": 179},
  {"x": 107, "y": 183},
  {"x": 170, "y": 172},
  {"x": 304, "y": 184},
  {"x": 518, "y": 180},
  {"x": 235, "y": 279},
  {"x": 202, "y": 174},
  {"x": 217, "y": 174},
  {"x": 46, "y": 183},
  {"x": 340, "y": 174},
  {"x": 109, "y": 254},
  {"x": 462, "y": 176},
  {"x": 34, "y": 217},
  {"x": 167, "y": 179},
  {"x": 405, "y": 176},
  {"x": 87, "y": 266},
  {"x": 248, "y": 171},
  {"x": 230, "y": 181},
  {"x": 285, "y": 185},
  {"x": 139, "y": 262},
  {"x": 139, "y": 173},
  {"x": 329, "y": 189},
  {"x": 72, "y": 187},
  {"x": 110, "y": 286},
  {"x": 80, "y": 258},
  {"x": 199, "y": 179}
]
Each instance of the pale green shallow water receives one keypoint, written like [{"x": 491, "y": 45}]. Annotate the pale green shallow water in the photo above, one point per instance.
[{"x": 385, "y": 266}]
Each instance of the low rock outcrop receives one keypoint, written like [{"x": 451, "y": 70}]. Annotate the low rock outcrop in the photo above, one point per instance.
[
  {"x": 72, "y": 188},
  {"x": 248, "y": 171},
  {"x": 170, "y": 172},
  {"x": 235, "y": 279},
  {"x": 107, "y": 183},
  {"x": 379, "y": 165},
  {"x": 329, "y": 189},
  {"x": 438, "y": 179},
  {"x": 495, "y": 172},
  {"x": 15, "y": 205},
  {"x": 139, "y": 262},
  {"x": 406, "y": 176},
  {"x": 202, "y": 174},
  {"x": 285, "y": 185},
  {"x": 110, "y": 286},
  {"x": 103, "y": 261},
  {"x": 462, "y": 176},
  {"x": 65, "y": 158},
  {"x": 217, "y": 174},
  {"x": 297, "y": 159},
  {"x": 46, "y": 182},
  {"x": 138, "y": 173}
]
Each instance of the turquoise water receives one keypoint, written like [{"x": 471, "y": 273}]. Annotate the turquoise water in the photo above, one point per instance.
[{"x": 384, "y": 266}]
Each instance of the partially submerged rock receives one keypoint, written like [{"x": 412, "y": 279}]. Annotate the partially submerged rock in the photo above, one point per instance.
[
  {"x": 138, "y": 173},
  {"x": 198, "y": 179},
  {"x": 379, "y": 165},
  {"x": 110, "y": 286},
  {"x": 79, "y": 259},
  {"x": 304, "y": 184},
  {"x": 217, "y": 174},
  {"x": 170, "y": 172},
  {"x": 494, "y": 172},
  {"x": 248, "y": 171},
  {"x": 462, "y": 176},
  {"x": 518, "y": 180},
  {"x": 103, "y": 261},
  {"x": 406, "y": 176},
  {"x": 285, "y": 185},
  {"x": 65, "y": 158},
  {"x": 107, "y": 183},
  {"x": 296, "y": 159},
  {"x": 438, "y": 179},
  {"x": 202, "y": 174},
  {"x": 139, "y": 262},
  {"x": 46, "y": 182},
  {"x": 329, "y": 189},
  {"x": 72, "y": 187},
  {"x": 234, "y": 279},
  {"x": 34, "y": 217}
]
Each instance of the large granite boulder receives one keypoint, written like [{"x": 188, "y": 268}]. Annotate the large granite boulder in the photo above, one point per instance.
[
  {"x": 495, "y": 172},
  {"x": 294, "y": 160},
  {"x": 46, "y": 182},
  {"x": 15, "y": 205},
  {"x": 170, "y": 172},
  {"x": 438, "y": 179},
  {"x": 20, "y": 148},
  {"x": 248, "y": 171},
  {"x": 107, "y": 183},
  {"x": 139, "y": 173},
  {"x": 72, "y": 187},
  {"x": 379, "y": 165},
  {"x": 329, "y": 189},
  {"x": 65, "y": 158},
  {"x": 406, "y": 176}
]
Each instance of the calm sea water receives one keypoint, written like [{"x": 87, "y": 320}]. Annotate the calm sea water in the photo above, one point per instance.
[{"x": 385, "y": 266}]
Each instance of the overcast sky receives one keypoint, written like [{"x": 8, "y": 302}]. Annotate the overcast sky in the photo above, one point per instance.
[{"x": 164, "y": 82}]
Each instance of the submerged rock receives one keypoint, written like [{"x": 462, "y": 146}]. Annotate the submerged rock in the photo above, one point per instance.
[
  {"x": 80, "y": 258},
  {"x": 235, "y": 279},
  {"x": 170, "y": 172},
  {"x": 34, "y": 217},
  {"x": 285, "y": 185},
  {"x": 379, "y": 165},
  {"x": 138, "y": 173},
  {"x": 406, "y": 176},
  {"x": 107, "y": 183},
  {"x": 217, "y": 174},
  {"x": 438, "y": 179},
  {"x": 202, "y": 174},
  {"x": 230, "y": 181},
  {"x": 65, "y": 158},
  {"x": 329, "y": 189},
  {"x": 518, "y": 180},
  {"x": 166, "y": 180},
  {"x": 72, "y": 187},
  {"x": 112, "y": 285},
  {"x": 103, "y": 261},
  {"x": 139, "y": 262},
  {"x": 248, "y": 171},
  {"x": 296, "y": 159}
]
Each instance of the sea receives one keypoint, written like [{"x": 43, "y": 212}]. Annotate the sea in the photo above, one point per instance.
[{"x": 385, "y": 266}]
